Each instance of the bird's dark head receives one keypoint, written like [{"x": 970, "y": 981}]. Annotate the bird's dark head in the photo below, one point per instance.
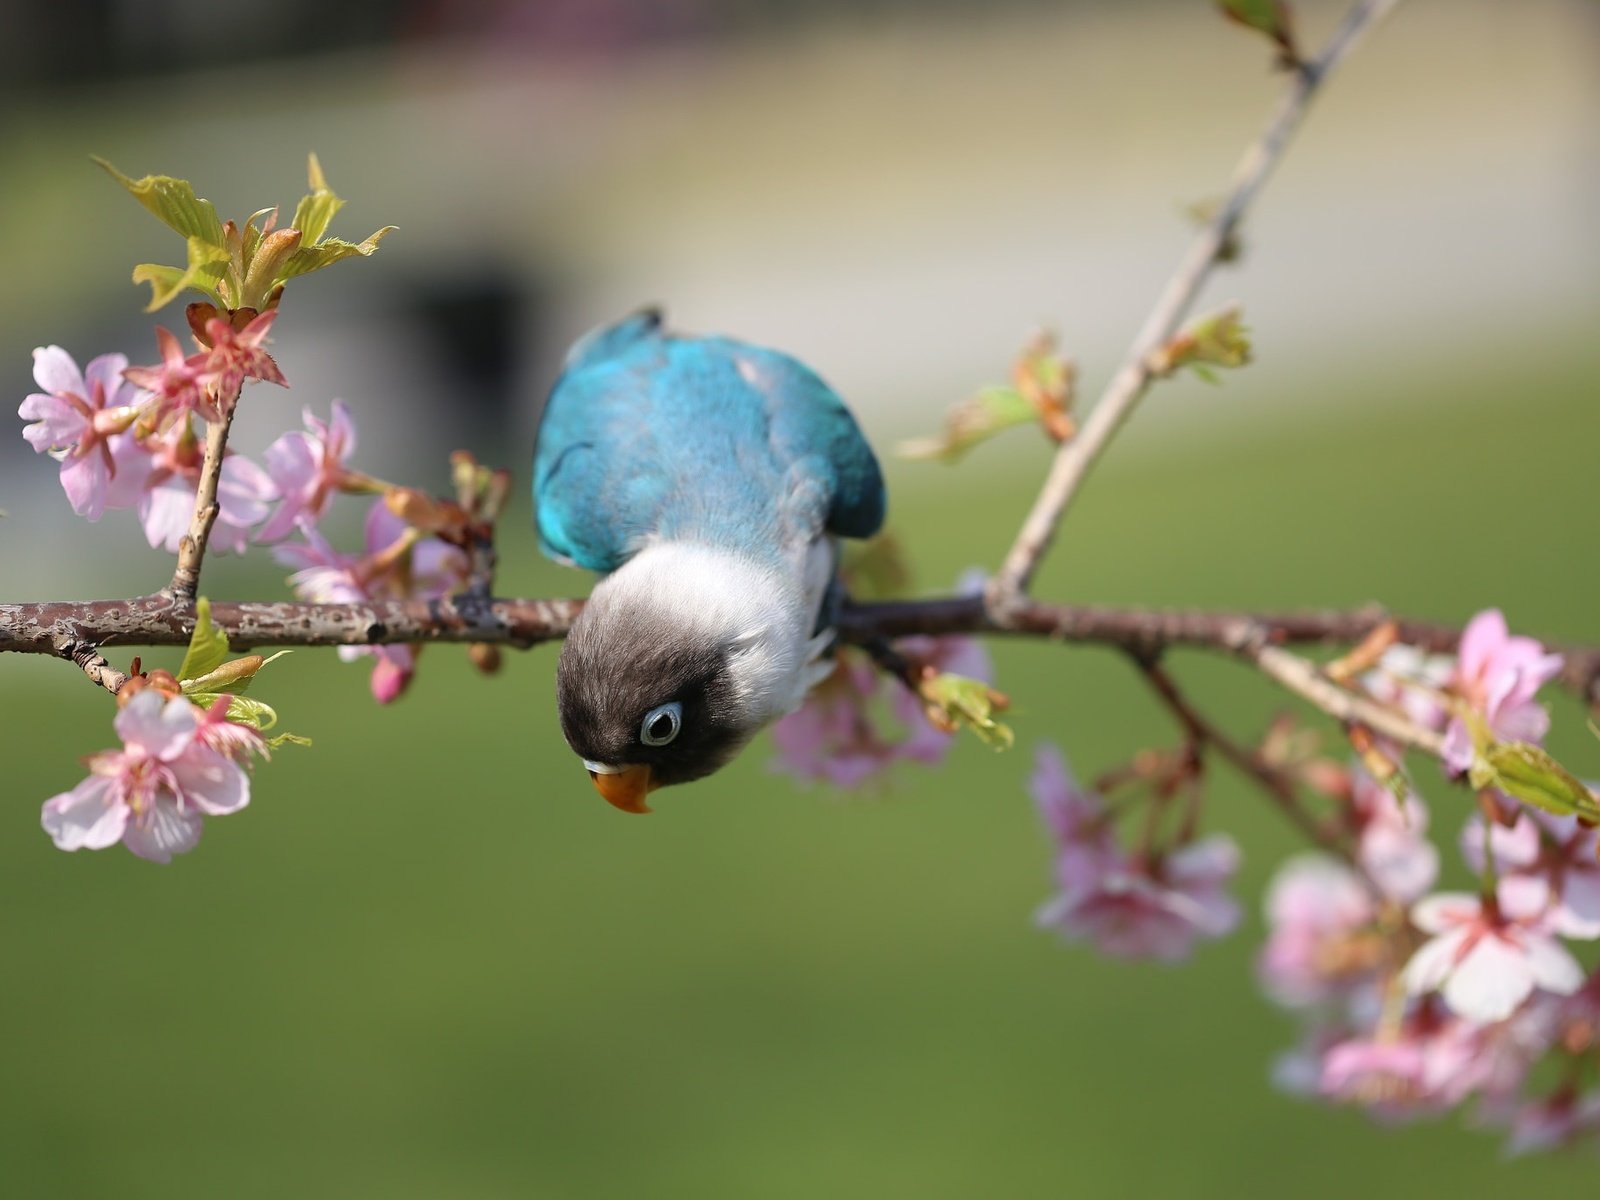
[{"x": 666, "y": 674}]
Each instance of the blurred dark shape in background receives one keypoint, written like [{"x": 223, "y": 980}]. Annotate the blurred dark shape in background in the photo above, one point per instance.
[
  {"x": 76, "y": 41},
  {"x": 472, "y": 324}
]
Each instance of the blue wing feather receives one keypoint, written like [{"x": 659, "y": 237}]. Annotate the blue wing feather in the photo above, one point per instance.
[{"x": 647, "y": 435}]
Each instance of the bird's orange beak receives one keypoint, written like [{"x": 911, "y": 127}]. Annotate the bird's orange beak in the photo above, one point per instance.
[{"x": 623, "y": 787}]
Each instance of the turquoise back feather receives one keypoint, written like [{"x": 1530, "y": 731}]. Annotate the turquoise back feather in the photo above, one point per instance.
[{"x": 649, "y": 436}]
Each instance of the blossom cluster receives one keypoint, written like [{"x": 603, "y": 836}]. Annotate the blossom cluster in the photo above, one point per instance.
[
  {"x": 131, "y": 438},
  {"x": 178, "y": 763},
  {"x": 847, "y": 733},
  {"x": 1413, "y": 1000},
  {"x": 1416, "y": 1000},
  {"x": 1154, "y": 901},
  {"x": 1411, "y": 1008}
]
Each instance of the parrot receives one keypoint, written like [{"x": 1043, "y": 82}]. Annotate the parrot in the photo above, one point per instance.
[{"x": 707, "y": 481}]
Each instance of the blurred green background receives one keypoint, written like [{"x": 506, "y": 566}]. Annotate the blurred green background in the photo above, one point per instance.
[{"x": 427, "y": 961}]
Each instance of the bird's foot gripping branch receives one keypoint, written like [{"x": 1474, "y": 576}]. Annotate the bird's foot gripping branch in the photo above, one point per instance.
[{"x": 1414, "y": 1000}]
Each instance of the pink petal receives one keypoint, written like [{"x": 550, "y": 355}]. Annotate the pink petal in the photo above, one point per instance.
[
  {"x": 106, "y": 371},
  {"x": 1313, "y": 890},
  {"x": 1525, "y": 722},
  {"x": 1054, "y": 790},
  {"x": 1444, "y": 911},
  {"x": 1213, "y": 913},
  {"x": 1484, "y": 635},
  {"x": 1401, "y": 863},
  {"x": 162, "y": 830},
  {"x": 1578, "y": 915},
  {"x": 211, "y": 781},
  {"x": 1433, "y": 962},
  {"x": 157, "y": 727},
  {"x": 1524, "y": 897},
  {"x": 1459, "y": 750},
  {"x": 1552, "y": 966},
  {"x": 133, "y": 469},
  {"x": 57, "y": 423},
  {"x": 244, "y": 491},
  {"x": 85, "y": 817},
  {"x": 1514, "y": 849},
  {"x": 84, "y": 480},
  {"x": 292, "y": 466},
  {"x": 390, "y": 675},
  {"x": 1212, "y": 858},
  {"x": 164, "y": 511},
  {"x": 342, "y": 432},
  {"x": 383, "y": 528},
  {"x": 1489, "y": 983},
  {"x": 55, "y": 371}
]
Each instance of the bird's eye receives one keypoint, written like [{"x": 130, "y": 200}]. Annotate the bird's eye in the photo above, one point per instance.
[{"x": 661, "y": 724}]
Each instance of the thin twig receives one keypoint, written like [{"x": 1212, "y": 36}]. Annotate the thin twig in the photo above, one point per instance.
[
  {"x": 1273, "y": 781},
  {"x": 93, "y": 664},
  {"x": 185, "y": 583},
  {"x": 1122, "y": 394},
  {"x": 1304, "y": 679}
]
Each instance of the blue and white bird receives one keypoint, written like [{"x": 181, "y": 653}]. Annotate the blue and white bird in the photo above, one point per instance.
[{"x": 707, "y": 481}]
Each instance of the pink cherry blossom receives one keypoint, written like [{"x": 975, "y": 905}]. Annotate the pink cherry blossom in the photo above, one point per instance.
[
  {"x": 1320, "y": 944},
  {"x": 244, "y": 493},
  {"x": 392, "y": 672},
  {"x": 428, "y": 570},
  {"x": 1077, "y": 820},
  {"x": 151, "y": 794},
  {"x": 177, "y": 385},
  {"x": 322, "y": 574},
  {"x": 1392, "y": 844},
  {"x": 308, "y": 468},
  {"x": 82, "y": 416},
  {"x": 834, "y": 737},
  {"x": 1563, "y": 1118},
  {"x": 1498, "y": 675},
  {"x": 1431, "y": 1063},
  {"x": 232, "y": 739},
  {"x": 1487, "y": 957},
  {"x": 238, "y": 354},
  {"x": 397, "y": 564},
  {"x": 1547, "y": 863},
  {"x": 837, "y": 735},
  {"x": 1139, "y": 908}
]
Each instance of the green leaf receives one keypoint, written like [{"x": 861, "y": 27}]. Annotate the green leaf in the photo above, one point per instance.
[
  {"x": 207, "y": 265},
  {"x": 315, "y": 210},
  {"x": 1530, "y": 774},
  {"x": 246, "y": 710},
  {"x": 174, "y": 204},
  {"x": 1270, "y": 17},
  {"x": 208, "y": 646},
  {"x": 972, "y": 703},
  {"x": 329, "y": 251},
  {"x": 1218, "y": 339},
  {"x": 976, "y": 419}
]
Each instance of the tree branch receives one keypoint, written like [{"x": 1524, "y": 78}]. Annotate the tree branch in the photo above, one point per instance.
[
  {"x": 160, "y": 620},
  {"x": 185, "y": 583},
  {"x": 1128, "y": 385}
]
